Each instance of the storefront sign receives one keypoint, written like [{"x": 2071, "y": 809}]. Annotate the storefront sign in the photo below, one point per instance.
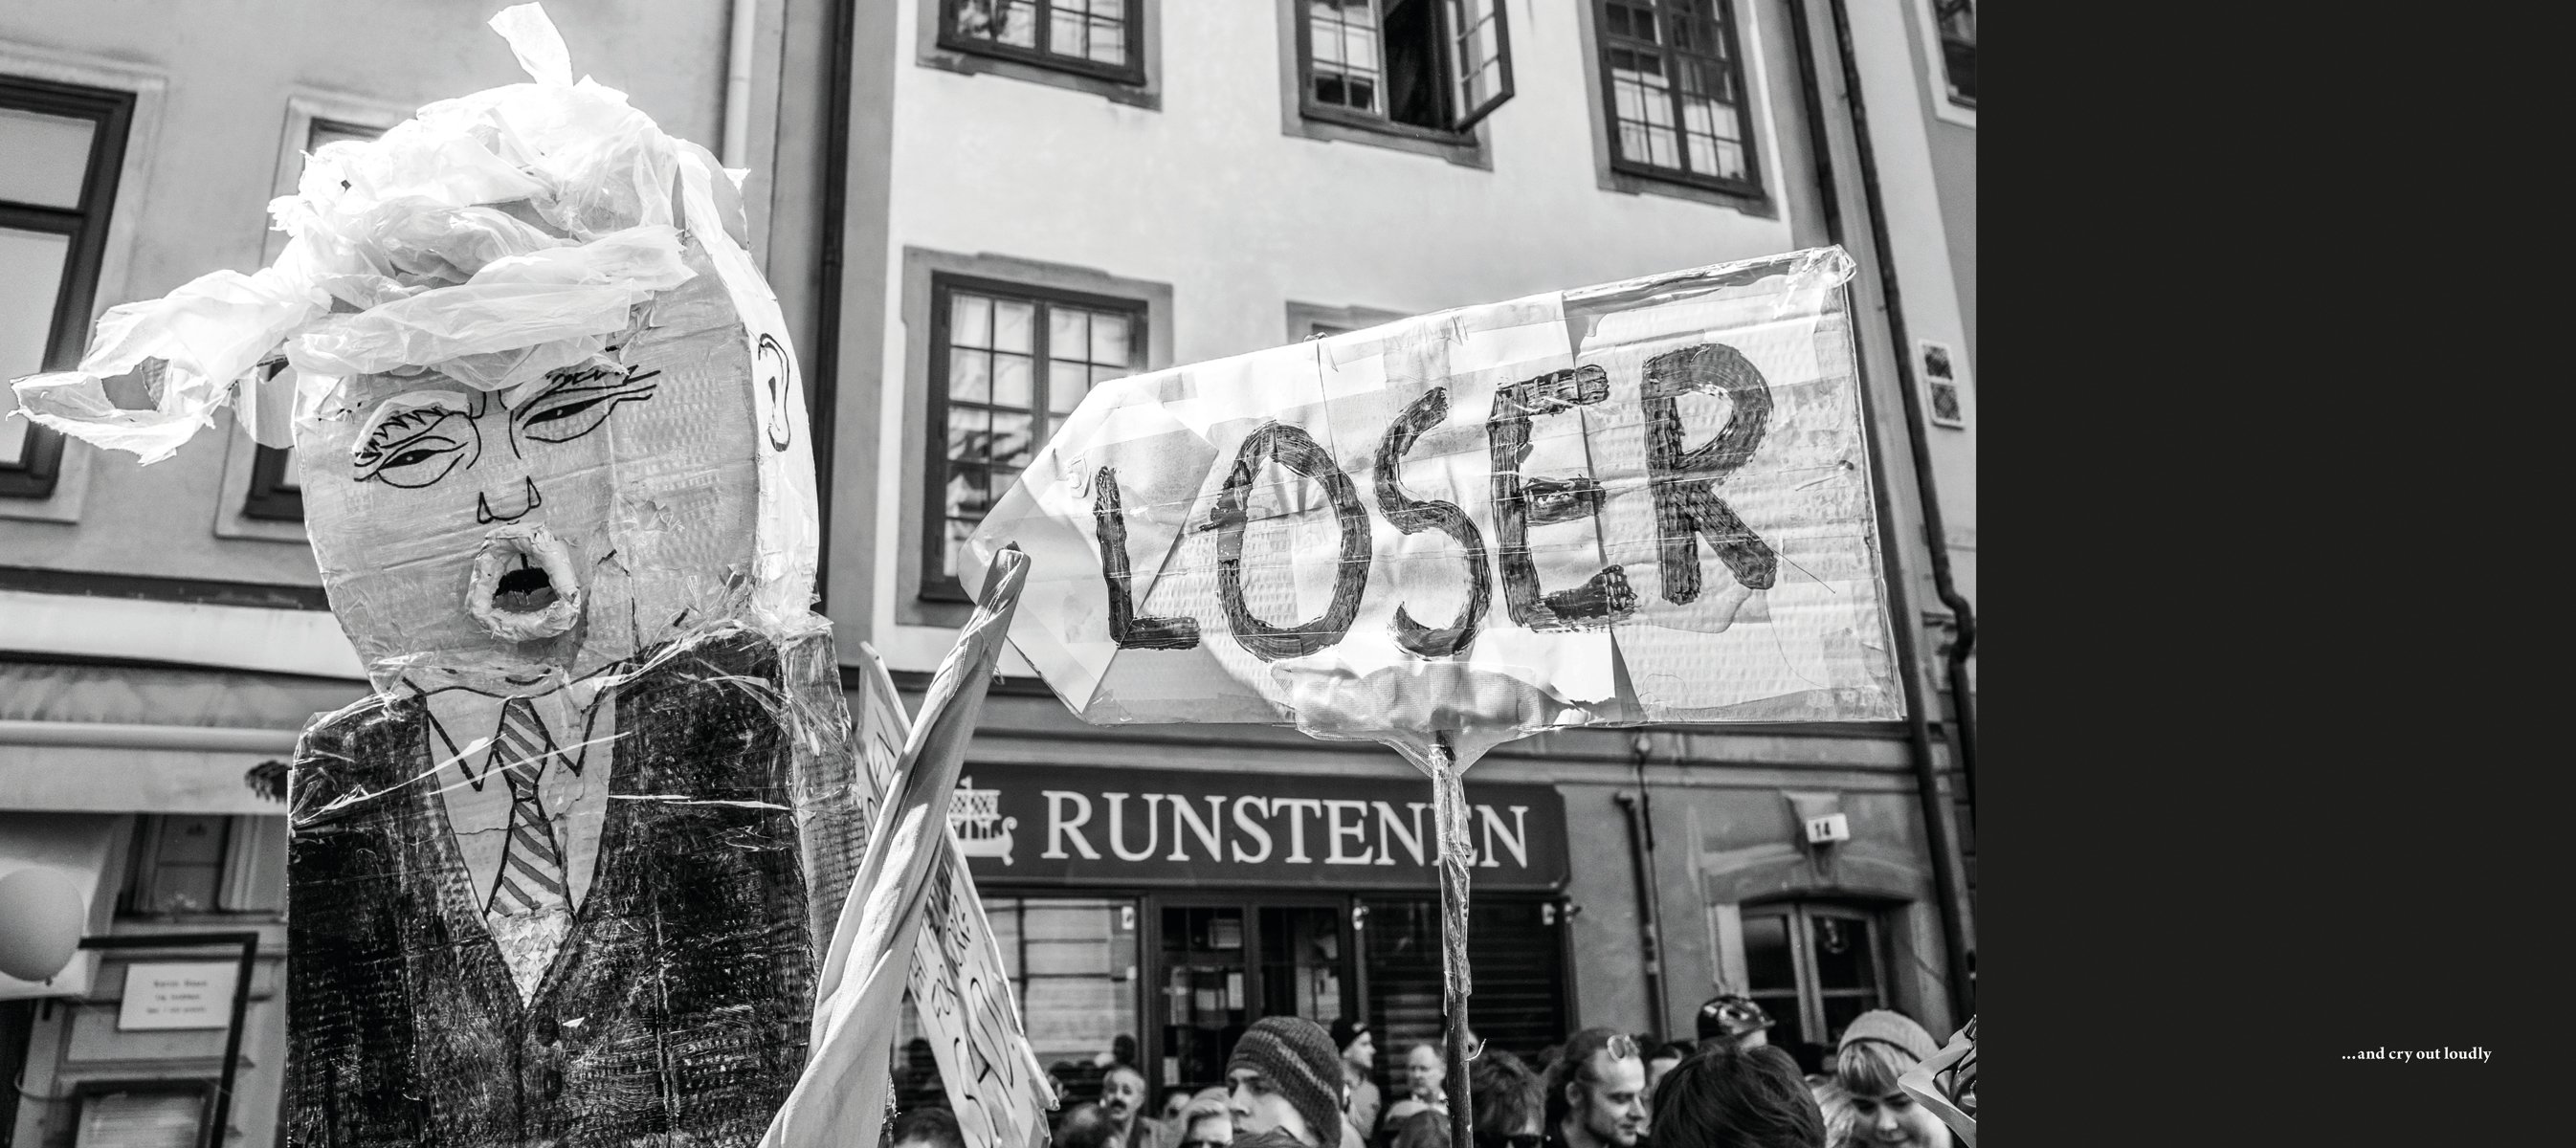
[
  {"x": 1078, "y": 825},
  {"x": 178, "y": 994}
]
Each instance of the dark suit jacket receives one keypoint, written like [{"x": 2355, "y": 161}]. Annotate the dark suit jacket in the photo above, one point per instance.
[{"x": 677, "y": 1011}]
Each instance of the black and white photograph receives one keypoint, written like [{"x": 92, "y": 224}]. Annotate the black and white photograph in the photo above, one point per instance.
[{"x": 1116, "y": 574}]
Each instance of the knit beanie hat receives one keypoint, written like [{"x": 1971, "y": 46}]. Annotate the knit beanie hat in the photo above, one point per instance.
[
  {"x": 1891, "y": 1028},
  {"x": 1347, "y": 1030},
  {"x": 1298, "y": 1058}
]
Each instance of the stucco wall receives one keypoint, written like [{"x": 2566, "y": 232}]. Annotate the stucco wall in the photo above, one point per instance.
[
  {"x": 1210, "y": 196},
  {"x": 228, "y": 71}
]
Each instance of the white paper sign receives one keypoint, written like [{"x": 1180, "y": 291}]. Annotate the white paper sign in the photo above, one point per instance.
[
  {"x": 178, "y": 994},
  {"x": 1640, "y": 502}
]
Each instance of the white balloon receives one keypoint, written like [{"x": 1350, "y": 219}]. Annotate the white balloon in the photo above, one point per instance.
[{"x": 42, "y": 911}]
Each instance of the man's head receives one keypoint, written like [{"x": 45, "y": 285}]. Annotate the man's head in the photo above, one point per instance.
[
  {"x": 928, "y": 1128},
  {"x": 1423, "y": 1071},
  {"x": 1122, "y": 1094},
  {"x": 1284, "y": 1075},
  {"x": 1358, "y": 1045},
  {"x": 1085, "y": 1127},
  {"x": 1596, "y": 1092},
  {"x": 1731, "y": 1097},
  {"x": 1205, "y": 1123}
]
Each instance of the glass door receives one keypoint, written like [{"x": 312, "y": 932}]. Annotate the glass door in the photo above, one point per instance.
[
  {"x": 1301, "y": 962},
  {"x": 1205, "y": 1001}
]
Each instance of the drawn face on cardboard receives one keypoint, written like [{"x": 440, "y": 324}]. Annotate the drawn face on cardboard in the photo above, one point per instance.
[{"x": 568, "y": 523}]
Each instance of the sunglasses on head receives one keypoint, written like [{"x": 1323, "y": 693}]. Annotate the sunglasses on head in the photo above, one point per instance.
[{"x": 1621, "y": 1046}]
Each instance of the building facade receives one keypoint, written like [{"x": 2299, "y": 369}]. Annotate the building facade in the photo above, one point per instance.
[{"x": 972, "y": 211}]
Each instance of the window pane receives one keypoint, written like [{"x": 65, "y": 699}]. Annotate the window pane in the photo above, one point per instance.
[
  {"x": 1767, "y": 961},
  {"x": 1065, "y": 385},
  {"x": 1841, "y": 1010},
  {"x": 1109, "y": 340},
  {"x": 1066, "y": 336},
  {"x": 1108, "y": 42},
  {"x": 1012, "y": 22},
  {"x": 966, "y": 493},
  {"x": 1011, "y": 443},
  {"x": 1842, "y": 948},
  {"x": 970, "y": 376},
  {"x": 1342, "y": 59},
  {"x": 31, "y": 279},
  {"x": 970, "y": 434},
  {"x": 1011, "y": 319},
  {"x": 1011, "y": 381},
  {"x": 1786, "y": 1030},
  {"x": 48, "y": 157},
  {"x": 970, "y": 322}
]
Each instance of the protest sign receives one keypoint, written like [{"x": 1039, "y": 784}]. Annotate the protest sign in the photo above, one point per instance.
[
  {"x": 961, "y": 990},
  {"x": 841, "y": 1096},
  {"x": 1642, "y": 502}
]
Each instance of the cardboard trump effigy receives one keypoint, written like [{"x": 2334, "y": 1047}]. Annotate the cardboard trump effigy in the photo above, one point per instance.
[{"x": 570, "y": 875}]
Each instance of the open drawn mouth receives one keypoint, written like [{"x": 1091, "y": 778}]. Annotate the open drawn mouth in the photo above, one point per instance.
[{"x": 523, "y": 588}]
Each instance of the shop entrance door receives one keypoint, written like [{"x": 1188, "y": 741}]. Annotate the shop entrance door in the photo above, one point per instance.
[{"x": 1222, "y": 963}]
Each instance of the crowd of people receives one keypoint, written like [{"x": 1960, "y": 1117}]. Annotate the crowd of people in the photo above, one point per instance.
[{"x": 1291, "y": 1083}]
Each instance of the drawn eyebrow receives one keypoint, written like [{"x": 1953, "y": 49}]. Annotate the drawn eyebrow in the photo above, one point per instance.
[{"x": 409, "y": 411}]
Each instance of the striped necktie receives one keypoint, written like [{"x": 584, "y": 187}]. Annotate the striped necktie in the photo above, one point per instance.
[{"x": 532, "y": 862}]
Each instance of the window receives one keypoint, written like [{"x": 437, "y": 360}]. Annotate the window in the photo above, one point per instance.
[
  {"x": 1813, "y": 968},
  {"x": 193, "y": 864},
  {"x": 1094, "y": 37},
  {"x": 1518, "y": 951},
  {"x": 1007, "y": 363},
  {"x": 1421, "y": 66},
  {"x": 1673, "y": 78},
  {"x": 65, "y": 146},
  {"x": 1073, "y": 963},
  {"x": 1958, "y": 25},
  {"x": 276, "y": 482}
]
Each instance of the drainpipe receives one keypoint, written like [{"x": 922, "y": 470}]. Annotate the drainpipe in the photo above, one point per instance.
[
  {"x": 1962, "y": 698},
  {"x": 822, "y": 387},
  {"x": 737, "y": 100},
  {"x": 1640, "y": 839},
  {"x": 1944, "y": 847}
]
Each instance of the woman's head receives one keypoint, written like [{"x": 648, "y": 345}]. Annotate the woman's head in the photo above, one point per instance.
[
  {"x": 1732, "y": 1097},
  {"x": 1879, "y": 1047}
]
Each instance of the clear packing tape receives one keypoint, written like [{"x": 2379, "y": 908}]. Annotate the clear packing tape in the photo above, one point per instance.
[{"x": 495, "y": 237}]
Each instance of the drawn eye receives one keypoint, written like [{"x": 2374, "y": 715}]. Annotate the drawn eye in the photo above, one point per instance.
[
  {"x": 418, "y": 463},
  {"x": 569, "y": 420}
]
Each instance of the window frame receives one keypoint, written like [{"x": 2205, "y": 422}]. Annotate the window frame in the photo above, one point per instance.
[
  {"x": 1463, "y": 124},
  {"x": 1750, "y": 185},
  {"x": 935, "y": 587},
  {"x": 1947, "y": 105},
  {"x": 1811, "y": 995},
  {"x": 112, "y": 110},
  {"x": 257, "y": 503},
  {"x": 1132, "y": 73}
]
